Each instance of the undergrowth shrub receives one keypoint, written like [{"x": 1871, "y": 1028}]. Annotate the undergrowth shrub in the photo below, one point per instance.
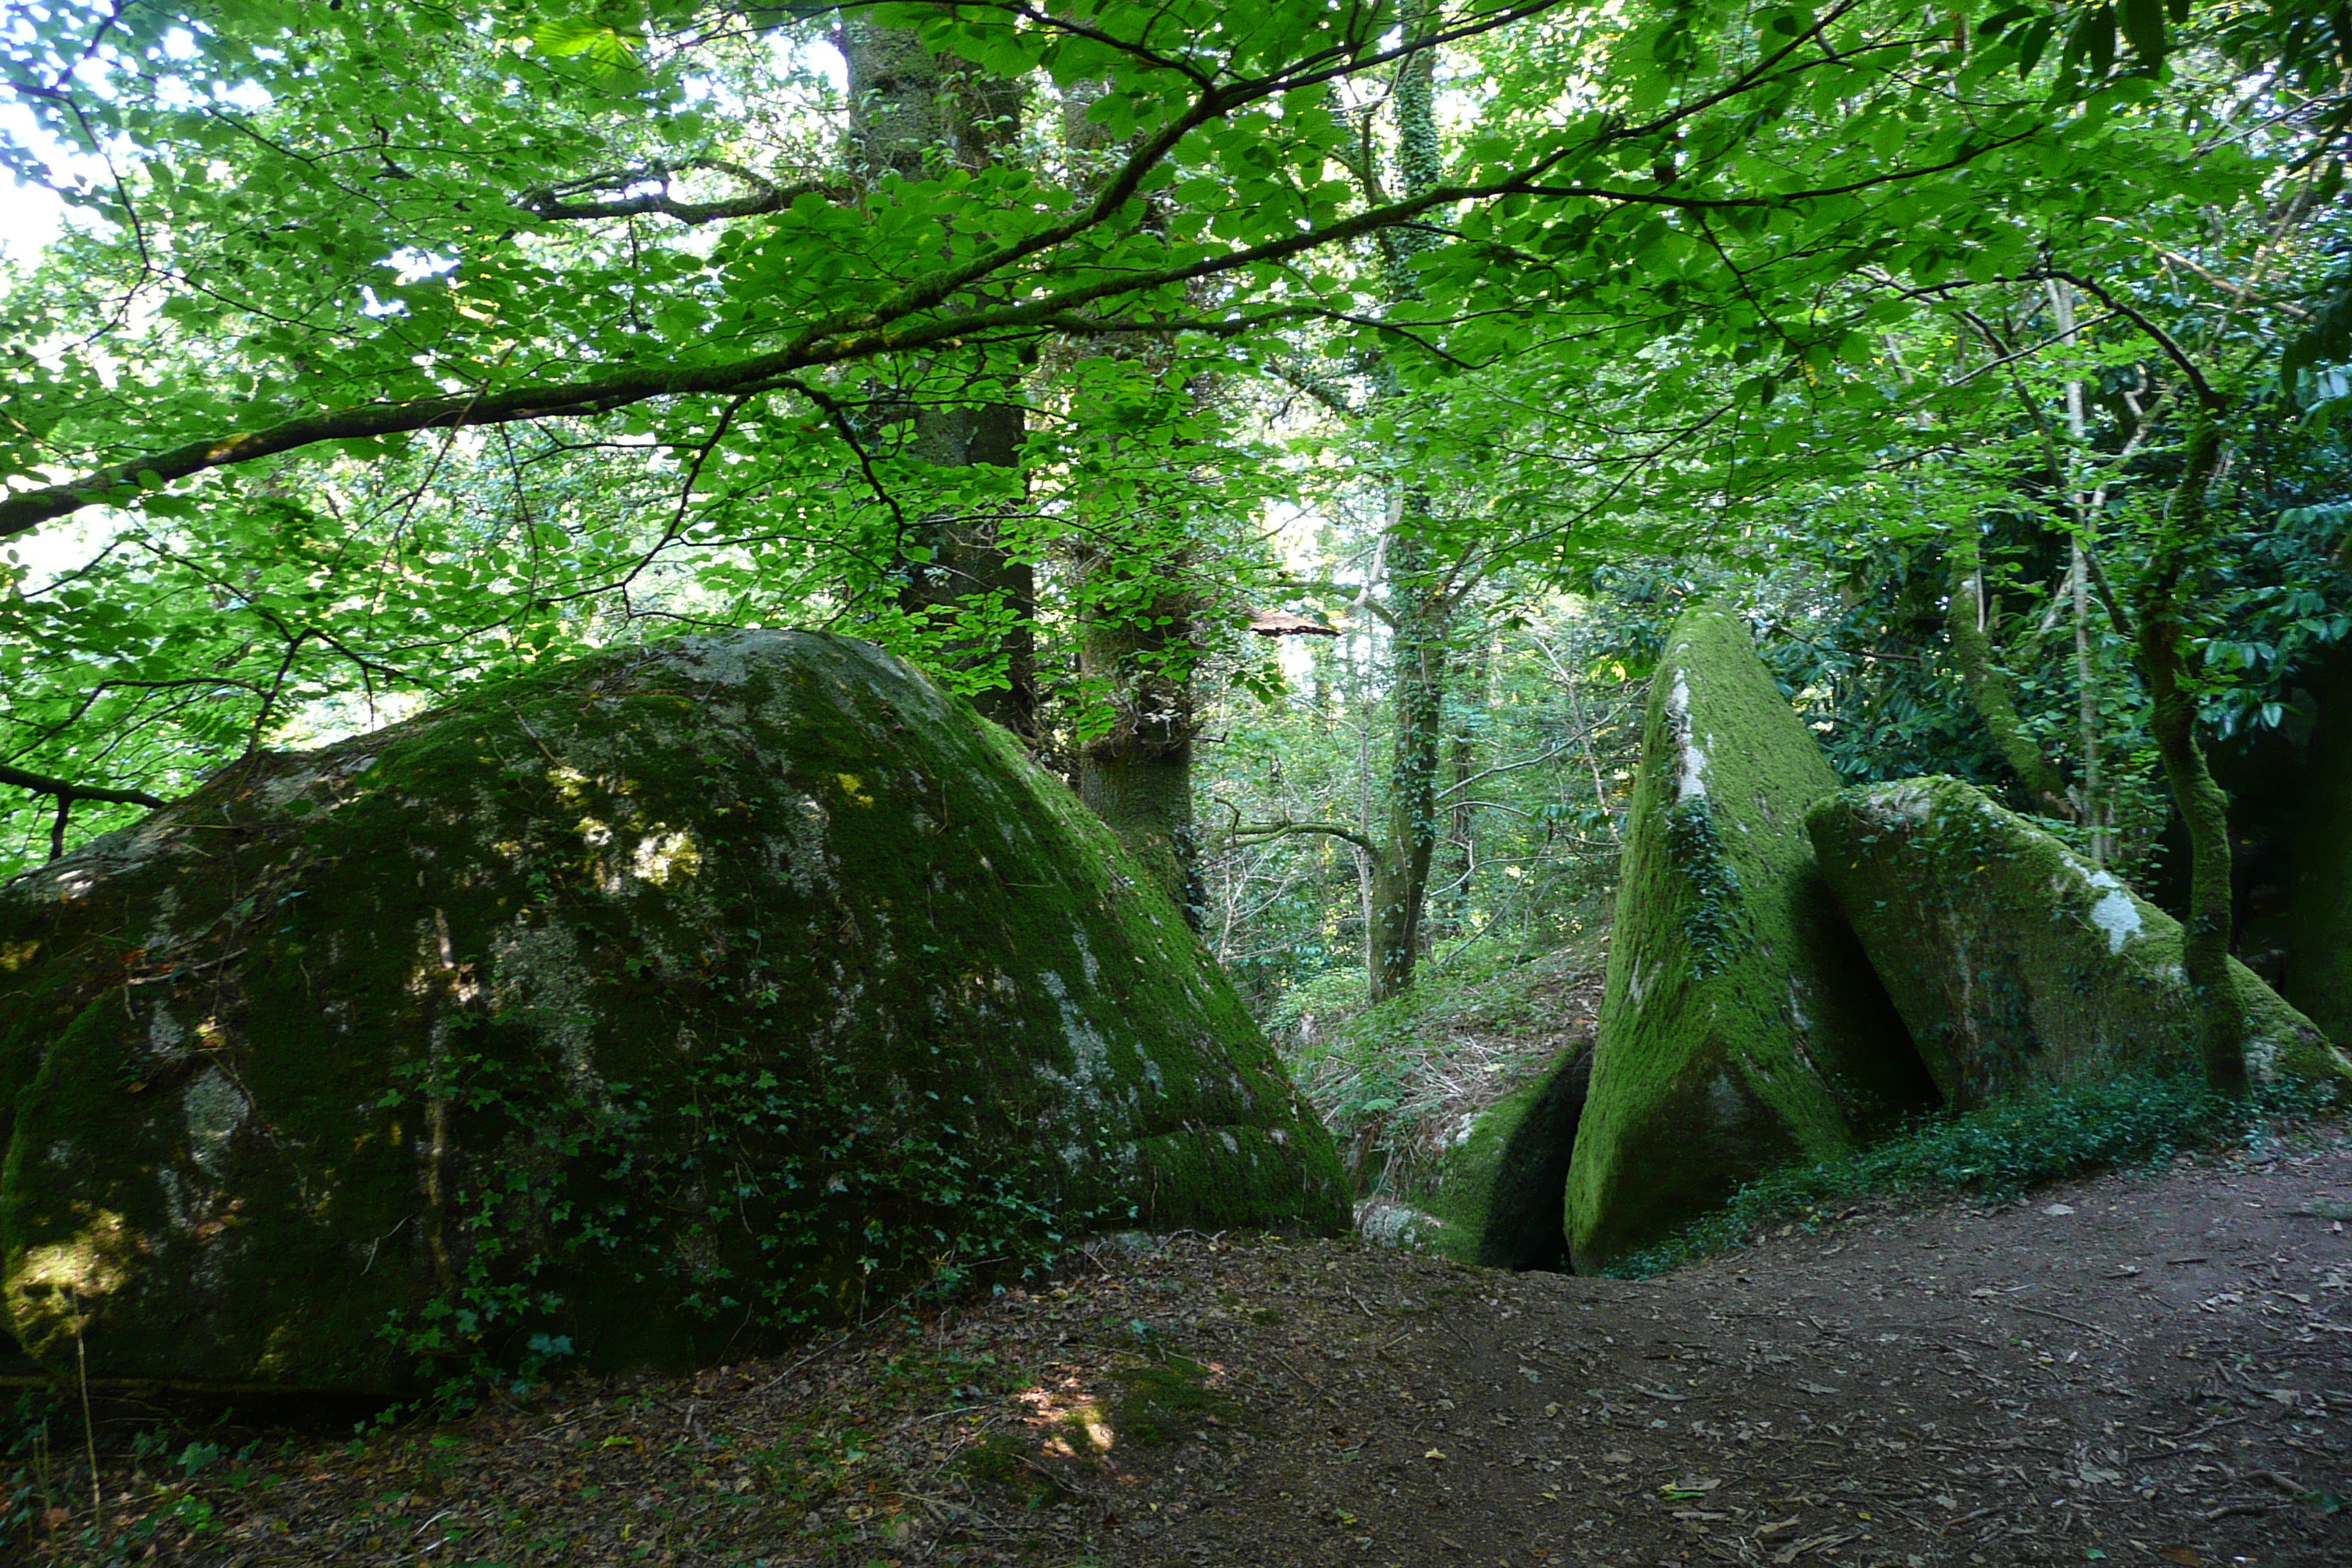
[
  {"x": 1994, "y": 1153},
  {"x": 1391, "y": 1079}
]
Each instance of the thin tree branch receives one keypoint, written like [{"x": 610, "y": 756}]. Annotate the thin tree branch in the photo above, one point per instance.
[{"x": 67, "y": 790}]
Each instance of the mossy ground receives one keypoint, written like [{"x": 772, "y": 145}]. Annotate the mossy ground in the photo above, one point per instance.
[
  {"x": 1741, "y": 1028},
  {"x": 629, "y": 1009}
]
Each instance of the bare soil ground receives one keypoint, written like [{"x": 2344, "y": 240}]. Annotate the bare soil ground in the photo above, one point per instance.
[{"x": 2139, "y": 1368}]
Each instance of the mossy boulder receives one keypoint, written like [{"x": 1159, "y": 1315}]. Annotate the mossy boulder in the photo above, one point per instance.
[
  {"x": 1741, "y": 1026},
  {"x": 1498, "y": 1186},
  {"x": 650, "y": 1007},
  {"x": 2016, "y": 963}
]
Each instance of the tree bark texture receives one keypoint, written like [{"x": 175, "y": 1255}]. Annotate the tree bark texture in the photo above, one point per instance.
[
  {"x": 1419, "y": 601},
  {"x": 2204, "y": 807},
  {"x": 1987, "y": 683},
  {"x": 1419, "y": 607},
  {"x": 1138, "y": 776}
]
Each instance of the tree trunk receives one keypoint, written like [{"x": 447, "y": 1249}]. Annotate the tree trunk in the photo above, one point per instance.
[
  {"x": 1419, "y": 600},
  {"x": 912, "y": 114},
  {"x": 1987, "y": 684},
  {"x": 2204, "y": 807},
  {"x": 1138, "y": 777}
]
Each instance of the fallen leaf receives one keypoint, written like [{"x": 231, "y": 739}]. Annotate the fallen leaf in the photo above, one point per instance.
[
  {"x": 2185, "y": 1555},
  {"x": 1816, "y": 1387},
  {"x": 1616, "y": 1456},
  {"x": 2059, "y": 1209},
  {"x": 1433, "y": 1453}
]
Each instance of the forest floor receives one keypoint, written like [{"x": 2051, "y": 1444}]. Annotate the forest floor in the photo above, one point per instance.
[{"x": 2140, "y": 1367}]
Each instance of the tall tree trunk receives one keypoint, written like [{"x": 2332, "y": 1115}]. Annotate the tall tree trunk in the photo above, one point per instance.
[
  {"x": 2089, "y": 793},
  {"x": 1418, "y": 606},
  {"x": 1420, "y": 602},
  {"x": 1137, "y": 777},
  {"x": 1461, "y": 826},
  {"x": 912, "y": 113},
  {"x": 1987, "y": 683},
  {"x": 2204, "y": 808}
]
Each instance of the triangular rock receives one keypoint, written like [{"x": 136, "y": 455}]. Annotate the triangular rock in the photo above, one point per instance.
[{"x": 1741, "y": 1026}]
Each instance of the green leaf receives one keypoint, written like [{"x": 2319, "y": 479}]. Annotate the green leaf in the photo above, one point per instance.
[{"x": 2143, "y": 26}]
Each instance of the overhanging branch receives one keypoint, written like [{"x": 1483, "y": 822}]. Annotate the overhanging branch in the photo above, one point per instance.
[
  {"x": 1328, "y": 829},
  {"x": 552, "y": 202},
  {"x": 67, "y": 792}
]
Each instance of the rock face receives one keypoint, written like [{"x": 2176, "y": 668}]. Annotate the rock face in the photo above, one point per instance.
[
  {"x": 651, "y": 1006},
  {"x": 2017, "y": 964},
  {"x": 1498, "y": 1192},
  {"x": 1741, "y": 1026}
]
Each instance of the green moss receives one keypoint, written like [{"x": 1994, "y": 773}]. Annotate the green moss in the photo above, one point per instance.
[
  {"x": 1498, "y": 1189},
  {"x": 2018, "y": 965},
  {"x": 1741, "y": 1026},
  {"x": 1166, "y": 1401},
  {"x": 649, "y": 1005}
]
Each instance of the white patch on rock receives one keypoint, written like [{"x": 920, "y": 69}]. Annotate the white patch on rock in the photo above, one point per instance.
[
  {"x": 1723, "y": 1099},
  {"x": 1897, "y": 802},
  {"x": 662, "y": 856},
  {"x": 2114, "y": 913},
  {"x": 1086, "y": 955},
  {"x": 1690, "y": 783},
  {"x": 802, "y": 854},
  {"x": 165, "y": 1034},
  {"x": 1386, "y": 1224},
  {"x": 160, "y": 935},
  {"x": 2261, "y": 1059},
  {"x": 541, "y": 978},
  {"x": 212, "y": 1108}
]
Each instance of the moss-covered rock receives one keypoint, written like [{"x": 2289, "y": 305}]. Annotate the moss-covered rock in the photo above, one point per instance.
[
  {"x": 1496, "y": 1191},
  {"x": 2016, "y": 963},
  {"x": 1741, "y": 1026},
  {"x": 653, "y": 1005}
]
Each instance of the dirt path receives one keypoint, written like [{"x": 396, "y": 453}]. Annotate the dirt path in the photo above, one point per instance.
[{"x": 2136, "y": 1369}]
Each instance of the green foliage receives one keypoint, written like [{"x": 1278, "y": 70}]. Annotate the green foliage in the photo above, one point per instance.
[
  {"x": 874, "y": 1208},
  {"x": 1391, "y": 1081},
  {"x": 1993, "y": 1154}
]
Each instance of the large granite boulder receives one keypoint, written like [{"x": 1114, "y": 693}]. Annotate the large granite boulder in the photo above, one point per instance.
[
  {"x": 2016, "y": 963},
  {"x": 1741, "y": 1026},
  {"x": 1494, "y": 1194},
  {"x": 650, "y": 1007}
]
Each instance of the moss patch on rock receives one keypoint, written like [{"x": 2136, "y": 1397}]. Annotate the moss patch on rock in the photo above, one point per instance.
[
  {"x": 644, "y": 1009},
  {"x": 1741, "y": 1026},
  {"x": 2019, "y": 966}
]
